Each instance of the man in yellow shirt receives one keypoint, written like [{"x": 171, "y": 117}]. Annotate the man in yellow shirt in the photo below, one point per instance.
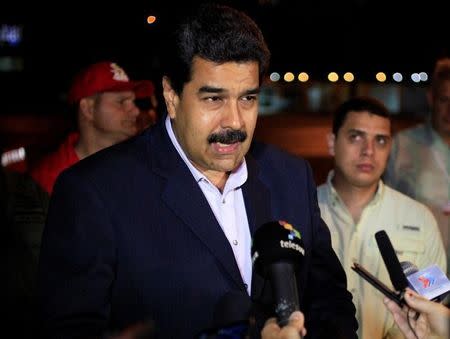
[{"x": 356, "y": 204}]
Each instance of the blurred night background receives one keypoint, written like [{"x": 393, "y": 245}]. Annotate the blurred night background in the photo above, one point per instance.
[
  {"x": 43, "y": 44},
  {"x": 361, "y": 36}
]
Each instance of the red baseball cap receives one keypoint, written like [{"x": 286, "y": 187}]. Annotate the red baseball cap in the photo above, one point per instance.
[
  {"x": 144, "y": 89},
  {"x": 104, "y": 76}
]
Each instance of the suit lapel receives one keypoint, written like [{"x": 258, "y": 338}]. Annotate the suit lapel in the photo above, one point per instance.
[
  {"x": 257, "y": 203},
  {"x": 256, "y": 196}
]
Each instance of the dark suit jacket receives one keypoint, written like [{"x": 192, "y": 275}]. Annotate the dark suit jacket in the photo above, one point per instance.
[{"x": 130, "y": 236}]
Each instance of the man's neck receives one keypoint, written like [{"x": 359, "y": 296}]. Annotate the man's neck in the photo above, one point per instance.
[
  {"x": 354, "y": 198},
  {"x": 87, "y": 145},
  {"x": 218, "y": 179}
]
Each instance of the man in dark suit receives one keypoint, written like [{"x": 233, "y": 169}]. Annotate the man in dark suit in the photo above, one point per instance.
[{"x": 159, "y": 227}]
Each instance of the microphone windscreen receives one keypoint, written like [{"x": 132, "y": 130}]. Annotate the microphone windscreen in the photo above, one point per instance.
[
  {"x": 391, "y": 261},
  {"x": 274, "y": 242}
]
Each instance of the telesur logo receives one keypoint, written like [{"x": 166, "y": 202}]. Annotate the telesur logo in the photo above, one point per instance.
[{"x": 293, "y": 233}]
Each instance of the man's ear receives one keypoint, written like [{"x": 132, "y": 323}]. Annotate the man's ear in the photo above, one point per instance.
[
  {"x": 86, "y": 108},
  {"x": 170, "y": 97},
  {"x": 330, "y": 143}
]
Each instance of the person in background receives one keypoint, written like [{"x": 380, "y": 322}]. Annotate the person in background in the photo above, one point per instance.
[
  {"x": 355, "y": 204},
  {"x": 147, "y": 103},
  {"x": 15, "y": 159},
  {"x": 419, "y": 163},
  {"x": 434, "y": 318},
  {"x": 22, "y": 215},
  {"x": 102, "y": 97},
  {"x": 160, "y": 226}
]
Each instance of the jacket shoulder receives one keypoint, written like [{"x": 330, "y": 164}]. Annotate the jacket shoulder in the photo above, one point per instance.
[{"x": 275, "y": 158}]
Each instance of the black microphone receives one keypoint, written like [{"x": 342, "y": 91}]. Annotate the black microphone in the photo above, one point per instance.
[
  {"x": 231, "y": 317},
  {"x": 391, "y": 261},
  {"x": 277, "y": 252}
]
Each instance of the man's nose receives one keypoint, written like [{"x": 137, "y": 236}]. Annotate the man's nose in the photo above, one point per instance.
[
  {"x": 368, "y": 148},
  {"x": 233, "y": 116}
]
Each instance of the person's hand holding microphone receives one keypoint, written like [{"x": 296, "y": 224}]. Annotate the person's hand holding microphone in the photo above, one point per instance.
[{"x": 294, "y": 329}]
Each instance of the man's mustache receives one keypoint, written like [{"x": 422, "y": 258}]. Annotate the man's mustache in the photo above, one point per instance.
[{"x": 230, "y": 136}]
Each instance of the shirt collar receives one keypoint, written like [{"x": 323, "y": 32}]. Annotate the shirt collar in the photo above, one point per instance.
[{"x": 333, "y": 195}]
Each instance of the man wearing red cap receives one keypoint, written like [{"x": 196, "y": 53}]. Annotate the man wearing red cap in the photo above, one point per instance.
[{"x": 104, "y": 98}]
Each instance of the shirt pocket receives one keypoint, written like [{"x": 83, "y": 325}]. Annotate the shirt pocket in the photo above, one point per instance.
[{"x": 408, "y": 247}]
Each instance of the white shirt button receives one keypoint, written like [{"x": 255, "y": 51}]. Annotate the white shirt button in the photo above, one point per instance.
[{"x": 235, "y": 242}]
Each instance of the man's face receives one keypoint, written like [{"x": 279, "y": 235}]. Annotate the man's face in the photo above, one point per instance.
[
  {"x": 439, "y": 100},
  {"x": 215, "y": 116},
  {"x": 114, "y": 116},
  {"x": 361, "y": 149}
]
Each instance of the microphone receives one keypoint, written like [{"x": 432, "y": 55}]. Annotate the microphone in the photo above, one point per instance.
[
  {"x": 277, "y": 252},
  {"x": 408, "y": 268},
  {"x": 231, "y": 317},
  {"x": 430, "y": 282},
  {"x": 391, "y": 261}
]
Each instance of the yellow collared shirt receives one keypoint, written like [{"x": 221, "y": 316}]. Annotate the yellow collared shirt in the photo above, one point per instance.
[{"x": 414, "y": 234}]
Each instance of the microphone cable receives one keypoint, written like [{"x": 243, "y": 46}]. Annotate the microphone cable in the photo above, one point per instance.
[{"x": 416, "y": 318}]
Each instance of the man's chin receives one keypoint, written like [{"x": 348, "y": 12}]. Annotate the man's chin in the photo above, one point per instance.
[{"x": 227, "y": 165}]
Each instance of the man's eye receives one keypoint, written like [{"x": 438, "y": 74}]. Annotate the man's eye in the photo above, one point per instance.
[
  {"x": 212, "y": 99},
  {"x": 249, "y": 98},
  {"x": 125, "y": 102},
  {"x": 381, "y": 140},
  {"x": 355, "y": 137}
]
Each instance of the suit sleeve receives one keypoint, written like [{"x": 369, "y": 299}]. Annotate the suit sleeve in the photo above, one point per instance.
[
  {"x": 330, "y": 313},
  {"x": 76, "y": 263}
]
